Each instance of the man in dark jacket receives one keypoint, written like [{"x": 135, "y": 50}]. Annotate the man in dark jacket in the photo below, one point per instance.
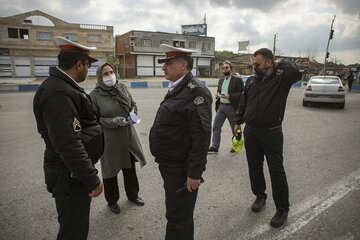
[
  {"x": 179, "y": 140},
  {"x": 227, "y": 97},
  {"x": 350, "y": 80},
  {"x": 262, "y": 111},
  {"x": 67, "y": 121}
]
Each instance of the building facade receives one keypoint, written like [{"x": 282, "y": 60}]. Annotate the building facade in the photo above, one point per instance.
[
  {"x": 138, "y": 52},
  {"x": 241, "y": 64},
  {"x": 27, "y": 48}
]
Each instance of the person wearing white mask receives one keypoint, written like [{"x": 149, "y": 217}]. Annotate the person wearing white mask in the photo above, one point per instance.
[{"x": 122, "y": 147}]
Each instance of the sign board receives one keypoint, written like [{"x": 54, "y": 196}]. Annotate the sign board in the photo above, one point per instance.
[
  {"x": 303, "y": 62},
  {"x": 194, "y": 29},
  {"x": 243, "y": 45}
]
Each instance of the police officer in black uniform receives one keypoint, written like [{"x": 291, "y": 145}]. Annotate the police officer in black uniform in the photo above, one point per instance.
[
  {"x": 68, "y": 123},
  {"x": 179, "y": 140},
  {"x": 262, "y": 109}
]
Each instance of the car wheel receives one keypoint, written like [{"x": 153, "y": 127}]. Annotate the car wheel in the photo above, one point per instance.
[
  {"x": 341, "y": 105},
  {"x": 305, "y": 103}
]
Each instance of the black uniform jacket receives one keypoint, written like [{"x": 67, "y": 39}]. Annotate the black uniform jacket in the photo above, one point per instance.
[
  {"x": 264, "y": 100},
  {"x": 236, "y": 87},
  {"x": 67, "y": 121},
  {"x": 180, "y": 135}
]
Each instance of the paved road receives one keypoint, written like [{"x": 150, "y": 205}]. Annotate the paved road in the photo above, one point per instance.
[{"x": 322, "y": 161}]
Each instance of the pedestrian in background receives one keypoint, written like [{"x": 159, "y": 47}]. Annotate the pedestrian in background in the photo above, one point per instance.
[
  {"x": 350, "y": 80},
  {"x": 68, "y": 123},
  {"x": 228, "y": 97},
  {"x": 122, "y": 144},
  {"x": 262, "y": 111},
  {"x": 179, "y": 140}
]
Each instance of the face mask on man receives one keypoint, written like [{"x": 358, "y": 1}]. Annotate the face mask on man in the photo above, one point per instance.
[
  {"x": 110, "y": 80},
  {"x": 258, "y": 71},
  {"x": 261, "y": 72},
  {"x": 227, "y": 73}
]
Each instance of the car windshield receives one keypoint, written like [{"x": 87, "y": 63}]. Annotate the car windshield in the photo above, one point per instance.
[{"x": 324, "y": 80}]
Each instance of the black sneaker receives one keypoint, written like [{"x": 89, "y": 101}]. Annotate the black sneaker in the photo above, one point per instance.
[
  {"x": 259, "y": 203},
  {"x": 279, "y": 219},
  {"x": 213, "y": 150},
  {"x": 232, "y": 150}
]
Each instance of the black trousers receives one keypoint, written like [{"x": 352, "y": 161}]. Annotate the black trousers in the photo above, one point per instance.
[
  {"x": 268, "y": 142},
  {"x": 131, "y": 183},
  {"x": 179, "y": 206},
  {"x": 72, "y": 203}
]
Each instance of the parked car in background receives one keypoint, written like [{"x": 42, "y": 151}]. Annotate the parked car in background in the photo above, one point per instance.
[
  {"x": 327, "y": 89},
  {"x": 243, "y": 77}
]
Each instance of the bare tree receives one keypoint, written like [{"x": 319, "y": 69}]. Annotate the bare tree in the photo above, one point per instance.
[
  {"x": 336, "y": 60},
  {"x": 310, "y": 51}
]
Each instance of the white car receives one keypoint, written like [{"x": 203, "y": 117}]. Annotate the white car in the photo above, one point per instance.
[
  {"x": 328, "y": 89},
  {"x": 243, "y": 77}
]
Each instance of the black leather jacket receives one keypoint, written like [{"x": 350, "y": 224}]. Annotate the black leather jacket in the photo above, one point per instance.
[
  {"x": 264, "y": 100},
  {"x": 67, "y": 121},
  {"x": 180, "y": 135}
]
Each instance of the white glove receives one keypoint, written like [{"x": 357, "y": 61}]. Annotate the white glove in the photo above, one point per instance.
[{"x": 121, "y": 121}]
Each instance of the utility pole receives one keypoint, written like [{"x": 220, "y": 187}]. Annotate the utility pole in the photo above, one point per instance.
[
  {"x": 331, "y": 35},
  {"x": 275, "y": 38}
]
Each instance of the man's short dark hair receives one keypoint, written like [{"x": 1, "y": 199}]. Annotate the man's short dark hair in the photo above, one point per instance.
[
  {"x": 68, "y": 59},
  {"x": 188, "y": 59},
  {"x": 228, "y": 63},
  {"x": 265, "y": 53}
]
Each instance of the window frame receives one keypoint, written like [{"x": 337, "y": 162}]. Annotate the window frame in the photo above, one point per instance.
[
  {"x": 90, "y": 38},
  {"x": 42, "y": 38},
  {"x": 68, "y": 34},
  {"x": 144, "y": 41}
]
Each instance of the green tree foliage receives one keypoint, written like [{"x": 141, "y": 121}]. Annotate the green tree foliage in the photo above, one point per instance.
[
  {"x": 110, "y": 58},
  {"x": 225, "y": 54}
]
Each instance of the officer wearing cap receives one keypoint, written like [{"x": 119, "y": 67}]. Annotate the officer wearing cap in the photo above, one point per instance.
[
  {"x": 68, "y": 123},
  {"x": 179, "y": 140}
]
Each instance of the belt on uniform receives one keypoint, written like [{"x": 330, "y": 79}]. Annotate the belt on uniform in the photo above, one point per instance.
[{"x": 272, "y": 128}]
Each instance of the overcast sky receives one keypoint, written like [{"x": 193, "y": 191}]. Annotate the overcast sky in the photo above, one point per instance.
[{"x": 300, "y": 25}]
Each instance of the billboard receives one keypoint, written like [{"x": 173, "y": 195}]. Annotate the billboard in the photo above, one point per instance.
[
  {"x": 194, "y": 29},
  {"x": 303, "y": 62},
  {"x": 243, "y": 45}
]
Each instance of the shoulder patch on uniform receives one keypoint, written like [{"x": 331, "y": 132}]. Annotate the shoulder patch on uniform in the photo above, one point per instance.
[
  {"x": 76, "y": 125},
  {"x": 198, "y": 100},
  {"x": 279, "y": 71},
  {"x": 192, "y": 85}
]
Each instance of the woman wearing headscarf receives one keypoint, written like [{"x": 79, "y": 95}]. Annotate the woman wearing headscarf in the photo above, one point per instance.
[{"x": 122, "y": 145}]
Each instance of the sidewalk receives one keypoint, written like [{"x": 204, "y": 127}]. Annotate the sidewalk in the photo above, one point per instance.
[{"x": 29, "y": 84}]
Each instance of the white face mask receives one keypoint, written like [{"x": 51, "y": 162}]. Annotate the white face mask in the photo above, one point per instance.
[{"x": 110, "y": 80}]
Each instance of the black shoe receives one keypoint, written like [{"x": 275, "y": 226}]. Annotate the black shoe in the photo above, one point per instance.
[
  {"x": 232, "y": 150},
  {"x": 279, "y": 219},
  {"x": 259, "y": 203},
  {"x": 213, "y": 150},
  {"x": 115, "y": 208},
  {"x": 138, "y": 201}
]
